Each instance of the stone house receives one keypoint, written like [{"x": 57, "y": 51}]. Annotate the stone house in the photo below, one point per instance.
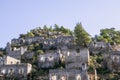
[
  {"x": 48, "y": 43},
  {"x": 30, "y": 40},
  {"x": 54, "y": 34},
  {"x": 76, "y": 55},
  {"x": 49, "y": 59},
  {"x": 68, "y": 74},
  {"x": 59, "y": 41},
  {"x": 17, "y": 41},
  {"x": 65, "y": 40},
  {"x": 78, "y": 59},
  {"x": 113, "y": 61},
  {"x": 7, "y": 60},
  {"x": 18, "y": 70},
  {"x": 28, "y": 55},
  {"x": 99, "y": 47},
  {"x": 15, "y": 52},
  {"x": 27, "y": 40}
]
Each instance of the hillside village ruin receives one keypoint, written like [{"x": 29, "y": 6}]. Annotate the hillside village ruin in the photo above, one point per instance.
[{"x": 76, "y": 58}]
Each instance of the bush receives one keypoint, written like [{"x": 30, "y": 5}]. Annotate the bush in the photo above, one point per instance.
[{"x": 102, "y": 70}]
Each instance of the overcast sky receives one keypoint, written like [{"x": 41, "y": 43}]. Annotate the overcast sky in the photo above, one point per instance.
[{"x": 19, "y": 16}]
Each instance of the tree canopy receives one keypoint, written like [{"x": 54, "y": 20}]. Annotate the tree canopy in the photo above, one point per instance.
[
  {"x": 109, "y": 35},
  {"x": 82, "y": 37},
  {"x": 45, "y": 30}
]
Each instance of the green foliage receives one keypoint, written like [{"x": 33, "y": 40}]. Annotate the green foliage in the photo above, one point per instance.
[
  {"x": 30, "y": 34},
  {"x": 2, "y": 52},
  {"x": 12, "y": 77},
  {"x": 99, "y": 59},
  {"x": 82, "y": 37},
  {"x": 45, "y": 30},
  {"x": 57, "y": 65},
  {"x": 22, "y": 35},
  {"x": 96, "y": 61},
  {"x": 37, "y": 46},
  {"x": 56, "y": 27},
  {"x": 90, "y": 69},
  {"x": 31, "y": 47},
  {"x": 102, "y": 71},
  {"x": 109, "y": 35},
  {"x": 39, "y": 51}
]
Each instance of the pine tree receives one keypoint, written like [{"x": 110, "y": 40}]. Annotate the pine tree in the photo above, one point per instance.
[{"x": 82, "y": 37}]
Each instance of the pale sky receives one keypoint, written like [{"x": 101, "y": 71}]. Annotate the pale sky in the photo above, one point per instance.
[{"x": 20, "y": 16}]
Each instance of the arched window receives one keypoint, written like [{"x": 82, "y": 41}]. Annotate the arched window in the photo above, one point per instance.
[
  {"x": 11, "y": 62},
  {"x": 78, "y": 77},
  {"x": 53, "y": 77},
  {"x": 3, "y": 71},
  {"x": 11, "y": 71},
  {"x": 21, "y": 71},
  {"x": 78, "y": 52},
  {"x": 63, "y": 77}
]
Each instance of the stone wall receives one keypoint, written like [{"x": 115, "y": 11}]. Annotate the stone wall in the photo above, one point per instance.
[
  {"x": 28, "y": 55},
  {"x": 15, "y": 52},
  {"x": 48, "y": 60},
  {"x": 16, "y": 69},
  {"x": 81, "y": 56},
  {"x": 99, "y": 47},
  {"x": 113, "y": 61},
  {"x": 7, "y": 60},
  {"x": 63, "y": 74}
]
